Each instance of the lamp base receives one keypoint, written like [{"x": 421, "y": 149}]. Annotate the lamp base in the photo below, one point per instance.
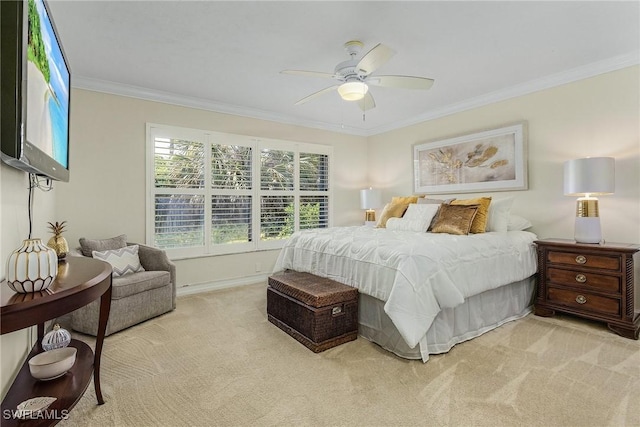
[
  {"x": 370, "y": 215},
  {"x": 588, "y": 230}
]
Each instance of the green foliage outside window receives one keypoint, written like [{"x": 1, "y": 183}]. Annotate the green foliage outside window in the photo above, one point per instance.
[{"x": 309, "y": 218}]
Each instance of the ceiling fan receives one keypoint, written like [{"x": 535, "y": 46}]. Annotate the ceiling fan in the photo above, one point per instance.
[{"x": 354, "y": 76}]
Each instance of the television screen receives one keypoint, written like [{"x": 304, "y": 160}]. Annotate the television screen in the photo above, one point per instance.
[
  {"x": 47, "y": 87},
  {"x": 35, "y": 93}
]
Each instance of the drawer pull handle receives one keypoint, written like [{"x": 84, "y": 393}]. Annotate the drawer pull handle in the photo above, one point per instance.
[
  {"x": 581, "y": 299},
  {"x": 581, "y": 259},
  {"x": 581, "y": 278}
]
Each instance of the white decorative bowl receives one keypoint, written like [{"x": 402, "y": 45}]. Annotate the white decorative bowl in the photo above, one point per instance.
[{"x": 52, "y": 364}]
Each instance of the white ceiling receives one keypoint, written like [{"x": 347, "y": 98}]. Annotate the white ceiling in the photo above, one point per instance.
[{"x": 227, "y": 56}]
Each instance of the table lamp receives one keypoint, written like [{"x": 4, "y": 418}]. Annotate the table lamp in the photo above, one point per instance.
[
  {"x": 370, "y": 199},
  {"x": 586, "y": 178}
]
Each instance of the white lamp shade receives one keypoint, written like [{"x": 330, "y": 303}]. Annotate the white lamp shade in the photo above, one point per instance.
[
  {"x": 353, "y": 91},
  {"x": 370, "y": 199},
  {"x": 592, "y": 175}
]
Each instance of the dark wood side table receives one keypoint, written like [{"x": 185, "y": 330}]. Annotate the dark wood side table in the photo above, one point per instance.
[
  {"x": 79, "y": 281},
  {"x": 595, "y": 281}
]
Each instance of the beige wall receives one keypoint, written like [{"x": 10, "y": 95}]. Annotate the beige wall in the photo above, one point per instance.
[
  {"x": 14, "y": 228},
  {"x": 599, "y": 116},
  {"x": 106, "y": 194}
]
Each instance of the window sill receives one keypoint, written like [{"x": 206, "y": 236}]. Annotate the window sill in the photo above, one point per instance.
[{"x": 188, "y": 257}]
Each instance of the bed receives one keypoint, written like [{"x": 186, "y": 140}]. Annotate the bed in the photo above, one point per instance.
[{"x": 422, "y": 293}]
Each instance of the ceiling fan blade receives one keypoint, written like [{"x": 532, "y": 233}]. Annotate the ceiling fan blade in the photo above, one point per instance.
[
  {"x": 404, "y": 82},
  {"x": 316, "y": 94},
  {"x": 308, "y": 73},
  {"x": 366, "y": 103},
  {"x": 375, "y": 58}
]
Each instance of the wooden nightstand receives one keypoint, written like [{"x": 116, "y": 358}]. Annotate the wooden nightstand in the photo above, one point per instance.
[{"x": 595, "y": 281}]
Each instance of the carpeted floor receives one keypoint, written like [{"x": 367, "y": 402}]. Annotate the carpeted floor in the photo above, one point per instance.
[{"x": 217, "y": 361}]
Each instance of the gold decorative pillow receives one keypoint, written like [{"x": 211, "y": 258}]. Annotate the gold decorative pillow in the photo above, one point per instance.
[
  {"x": 454, "y": 219},
  {"x": 404, "y": 200},
  {"x": 480, "y": 221},
  {"x": 391, "y": 210}
]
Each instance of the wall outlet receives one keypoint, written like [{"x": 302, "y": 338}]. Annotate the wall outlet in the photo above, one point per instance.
[{"x": 258, "y": 267}]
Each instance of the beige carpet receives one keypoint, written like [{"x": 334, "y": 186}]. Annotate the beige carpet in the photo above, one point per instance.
[{"x": 217, "y": 361}]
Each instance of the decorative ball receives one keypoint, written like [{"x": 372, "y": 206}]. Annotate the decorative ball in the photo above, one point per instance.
[{"x": 56, "y": 338}]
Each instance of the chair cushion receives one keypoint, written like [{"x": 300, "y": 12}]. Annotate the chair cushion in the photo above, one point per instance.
[
  {"x": 90, "y": 245},
  {"x": 135, "y": 283}
]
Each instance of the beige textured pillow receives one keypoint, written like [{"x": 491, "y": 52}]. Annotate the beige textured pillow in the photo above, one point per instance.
[
  {"x": 427, "y": 201},
  {"x": 455, "y": 219},
  {"x": 480, "y": 221},
  {"x": 391, "y": 210}
]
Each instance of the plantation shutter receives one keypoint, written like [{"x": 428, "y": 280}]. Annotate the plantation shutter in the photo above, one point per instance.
[
  {"x": 277, "y": 214},
  {"x": 232, "y": 194},
  {"x": 314, "y": 189},
  {"x": 179, "y": 198},
  {"x": 314, "y": 172},
  {"x": 276, "y": 217}
]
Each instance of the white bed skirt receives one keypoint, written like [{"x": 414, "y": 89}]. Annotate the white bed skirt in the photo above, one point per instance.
[{"x": 478, "y": 314}]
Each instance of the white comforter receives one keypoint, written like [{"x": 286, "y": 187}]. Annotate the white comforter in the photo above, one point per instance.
[{"x": 417, "y": 274}]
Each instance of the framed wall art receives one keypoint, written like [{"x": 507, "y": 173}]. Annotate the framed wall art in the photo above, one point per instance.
[{"x": 492, "y": 160}]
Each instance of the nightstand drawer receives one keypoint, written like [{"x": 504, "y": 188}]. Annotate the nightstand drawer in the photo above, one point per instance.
[
  {"x": 580, "y": 278},
  {"x": 585, "y": 260},
  {"x": 584, "y": 301}
]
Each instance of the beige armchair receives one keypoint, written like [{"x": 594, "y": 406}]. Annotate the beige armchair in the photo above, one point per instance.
[{"x": 135, "y": 297}]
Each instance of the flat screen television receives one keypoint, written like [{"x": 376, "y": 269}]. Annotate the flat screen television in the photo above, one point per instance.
[{"x": 35, "y": 93}]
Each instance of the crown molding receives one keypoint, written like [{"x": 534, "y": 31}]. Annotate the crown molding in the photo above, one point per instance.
[
  {"x": 104, "y": 86},
  {"x": 547, "y": 82}
]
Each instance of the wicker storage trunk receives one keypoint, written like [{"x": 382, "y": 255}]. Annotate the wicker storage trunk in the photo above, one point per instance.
[{"x": 318, "y": 312}]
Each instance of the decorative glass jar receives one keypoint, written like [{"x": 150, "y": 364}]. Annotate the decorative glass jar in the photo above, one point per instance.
[
  {"x": 32, "y": 267},
  {"x": 56, "y": 338}
]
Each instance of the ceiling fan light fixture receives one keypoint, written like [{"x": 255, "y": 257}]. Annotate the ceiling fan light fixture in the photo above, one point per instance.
[{"x": 353, "y": 91}]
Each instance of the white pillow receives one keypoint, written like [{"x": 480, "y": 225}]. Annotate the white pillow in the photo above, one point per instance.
[
  {"x": 416, "y": 218},
  {"x": 518, "y": 223},
  {"x": 123, "y": 261},
  {"x": 404, "y": 224},
  {"x": 427, "y": 211},
  {"x": 498, "y": 216}
]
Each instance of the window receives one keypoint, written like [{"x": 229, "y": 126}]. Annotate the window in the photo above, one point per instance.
[{"x": 215, "y": 193}]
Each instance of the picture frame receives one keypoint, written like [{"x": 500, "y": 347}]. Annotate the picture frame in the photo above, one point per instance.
[{"x": 491, "y": 160}]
